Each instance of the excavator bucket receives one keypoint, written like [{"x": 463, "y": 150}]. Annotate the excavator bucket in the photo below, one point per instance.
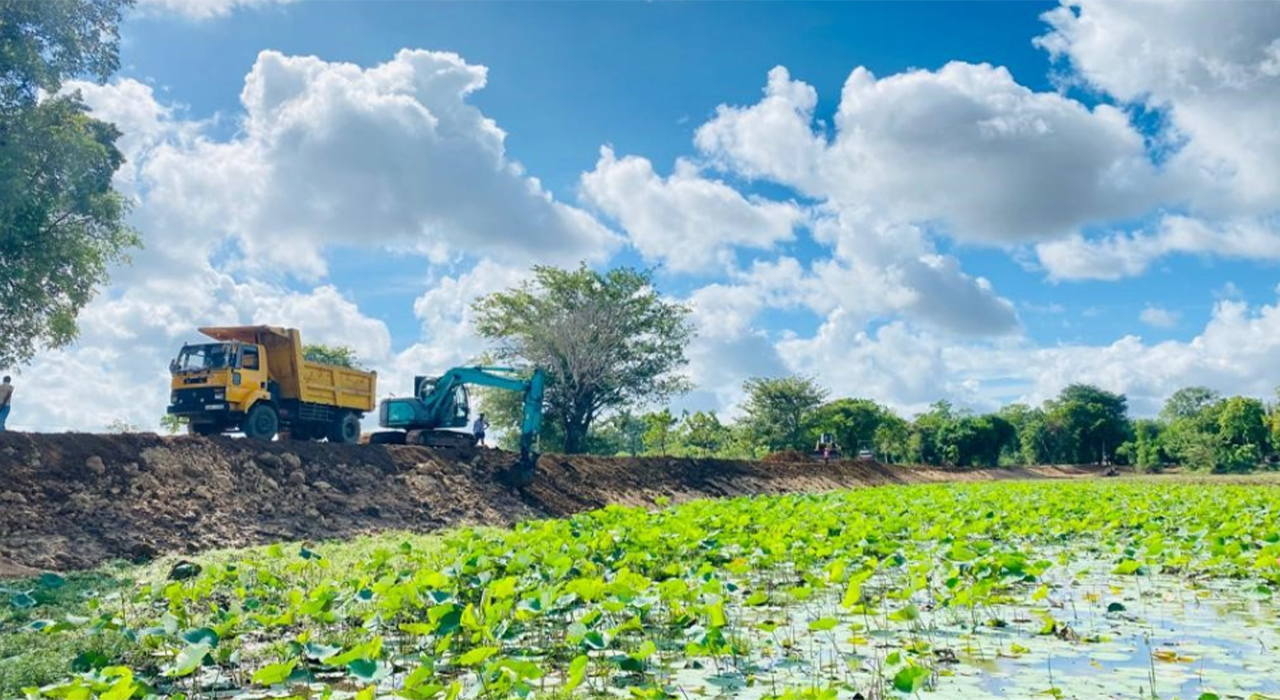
[{"x": 520, "y": 474}]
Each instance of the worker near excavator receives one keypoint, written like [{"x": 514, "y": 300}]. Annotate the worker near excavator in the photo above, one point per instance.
[
  {"x": 6, "y": 395},
  {"x": 479, "y": 428}
]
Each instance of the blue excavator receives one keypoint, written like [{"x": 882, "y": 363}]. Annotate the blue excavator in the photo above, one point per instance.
[{"x": 440, "y": 405}]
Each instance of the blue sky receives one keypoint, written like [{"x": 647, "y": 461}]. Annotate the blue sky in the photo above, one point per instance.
[
  {"x": 1025, "y": 194},
  {"x": 568, "y": 77}
]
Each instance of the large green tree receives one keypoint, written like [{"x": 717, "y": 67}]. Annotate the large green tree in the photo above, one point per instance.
[
  {"x": 1094, "y": 422},
  {"x": 922, "y": 445},
  {"x": 607, "y": 340},
  {"x": 1188, "y": 402},
  {"x": 62, "y": 225},
  {"x": 974, "y": 441},
  {"x": 781, "y": 411},
  {"x": 1242, "y": 434},
  {"x": 1190, "y": 427},
  {"x": 892, "y": 439},
  {"x": 853, "y": 422}
]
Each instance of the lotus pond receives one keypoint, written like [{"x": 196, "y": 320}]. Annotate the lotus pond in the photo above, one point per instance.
[{"x": 1077, "y": 589}]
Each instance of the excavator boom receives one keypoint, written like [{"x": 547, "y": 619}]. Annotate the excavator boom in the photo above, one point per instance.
[{"x": 442, "y": 403}]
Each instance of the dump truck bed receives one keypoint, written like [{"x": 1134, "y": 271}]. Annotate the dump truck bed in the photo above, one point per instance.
[
  {"x": 310, "y": 382},
  {"x": 332, "y": 385}
]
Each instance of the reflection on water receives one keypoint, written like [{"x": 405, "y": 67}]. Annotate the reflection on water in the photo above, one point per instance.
[{"x": 1111, "y": 636}]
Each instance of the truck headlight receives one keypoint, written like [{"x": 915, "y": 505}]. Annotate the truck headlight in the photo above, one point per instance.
[
  {"x": 219, "y": 394},
  {"x": 173, "y": 397}
]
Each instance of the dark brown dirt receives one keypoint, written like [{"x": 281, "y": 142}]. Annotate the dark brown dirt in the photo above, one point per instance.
[{"x": 72, "y": 501}]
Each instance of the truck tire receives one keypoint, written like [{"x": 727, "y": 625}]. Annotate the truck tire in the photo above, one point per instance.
[
  {"x": 261, "y": 423},
  {"x": 345, "y": 429}
]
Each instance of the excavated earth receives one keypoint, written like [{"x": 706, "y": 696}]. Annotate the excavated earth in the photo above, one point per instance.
[{"x": 73, "y": 501}]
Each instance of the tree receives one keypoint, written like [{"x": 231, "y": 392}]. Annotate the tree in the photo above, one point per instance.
[
  {"x": 1094, "y": 422},
  {"x": 1242, "y": 434},
  {"x": 1019, "y": 417},
  {"x": 975, "y": 441},
  {"x": 63, "y": 225},
  {"x": 339, "y": 355},
  {"x": 1190, "y": 434},
  {"x": 172, "y": 424},
  {"x": 657, "y": 430},
  {"x": 852, "y": 421},
  {"x": 704, "y": 432},
  {"x": 780, "y": 411},
  {"x": 891, "y": 439},
  {"x": 922, "y": 445},
  {"x": 1188, "y": 402},
  {"x": 606, "y": 341},
  {"x": 625, "y": 431},
  {"x": 1147, "y": 453}
]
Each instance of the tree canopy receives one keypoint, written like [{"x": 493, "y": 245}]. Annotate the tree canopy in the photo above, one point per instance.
[
  {"x": 606, "y": 340},
  {"x": 62, "y": 225},
  {"x": 781, "y": 411},
  {"x": 339, "y": 355}
]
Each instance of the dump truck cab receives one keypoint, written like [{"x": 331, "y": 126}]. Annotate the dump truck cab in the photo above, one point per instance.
[
  {"x": 256, "y": 380},
  {"x": 212, "y": 380}
]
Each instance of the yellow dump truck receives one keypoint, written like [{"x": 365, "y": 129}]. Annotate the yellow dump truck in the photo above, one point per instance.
[{"x": 255, "y": 380}]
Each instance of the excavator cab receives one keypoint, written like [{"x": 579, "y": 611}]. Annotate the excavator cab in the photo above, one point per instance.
[{"x": 453, "y": 409}]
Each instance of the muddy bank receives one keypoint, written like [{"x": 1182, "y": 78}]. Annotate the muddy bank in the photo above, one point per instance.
[{"x": 72, "y": 501}]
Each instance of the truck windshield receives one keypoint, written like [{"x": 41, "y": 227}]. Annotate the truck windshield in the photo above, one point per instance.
[{"x": 199, "y": 357}]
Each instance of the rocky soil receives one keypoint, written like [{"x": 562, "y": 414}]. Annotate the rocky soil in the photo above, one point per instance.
[{"x": 73, "y": 501}]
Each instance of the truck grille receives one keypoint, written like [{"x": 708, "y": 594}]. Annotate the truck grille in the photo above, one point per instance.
[{"x": 194, "y": 399}]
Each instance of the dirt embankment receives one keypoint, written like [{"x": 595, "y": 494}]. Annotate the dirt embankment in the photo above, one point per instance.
[{"x": 72, "y": 501}]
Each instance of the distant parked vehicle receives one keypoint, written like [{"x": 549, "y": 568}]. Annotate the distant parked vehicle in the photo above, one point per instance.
[{"x": 865, "y": 454}]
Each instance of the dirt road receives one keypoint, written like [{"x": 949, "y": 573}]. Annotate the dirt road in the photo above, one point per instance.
[{"x": 72, "y": 501}]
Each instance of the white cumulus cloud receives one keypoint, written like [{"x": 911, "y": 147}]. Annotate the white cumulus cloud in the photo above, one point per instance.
[
  {"x": 332, "y": 154},
  {"x": 688, "y": 222},
  {"x": 965, "y": 147}
]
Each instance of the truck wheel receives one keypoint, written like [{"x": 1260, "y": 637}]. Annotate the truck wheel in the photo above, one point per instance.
[
  {"x": 345, "y": 429},
  {"x": 261, "y": 423},
  {"x": 205, "y": 429}
]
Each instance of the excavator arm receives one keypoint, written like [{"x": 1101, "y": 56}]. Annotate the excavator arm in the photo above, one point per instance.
[
  {"x": 436, "y": 407},
  {"x": 498, "y": 378}
]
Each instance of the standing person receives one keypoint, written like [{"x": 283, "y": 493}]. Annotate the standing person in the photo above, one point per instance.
[
  {"x": 479, "y": 428},
  {"x": 6, "y": 395}
]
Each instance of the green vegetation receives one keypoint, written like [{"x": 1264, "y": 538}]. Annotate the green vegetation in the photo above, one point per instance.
[
  {"x": 64, "y": 225},
  {"x": 612, "y": 345},
  {"x": 606, "y": 341},
  {"x": 339, "y": 355},
  {"x": 1197, "y": 429},
  {"x": 1048, "y": 588}
]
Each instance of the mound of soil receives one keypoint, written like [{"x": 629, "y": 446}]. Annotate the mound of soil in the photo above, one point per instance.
[
  {"x": 72, "y": 501},
  {"x": 787, "y": 456}
]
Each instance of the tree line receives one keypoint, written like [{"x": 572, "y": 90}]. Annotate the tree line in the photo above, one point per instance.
[
  {"x": 611, "y": 344},
  {"x": 1197, "y": 428}
]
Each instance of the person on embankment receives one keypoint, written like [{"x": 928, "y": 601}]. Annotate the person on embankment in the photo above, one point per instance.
[{"x": 6, "y": 397}]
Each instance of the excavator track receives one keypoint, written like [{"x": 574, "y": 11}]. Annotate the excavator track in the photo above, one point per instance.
[{"x": 460, "y": 445}]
